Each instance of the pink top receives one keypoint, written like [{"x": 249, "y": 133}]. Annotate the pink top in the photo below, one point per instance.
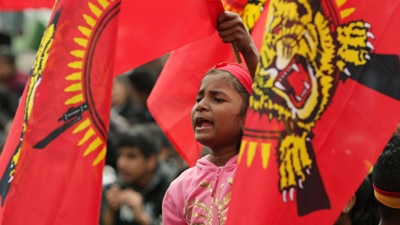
[{"x": 200, "y": 195}]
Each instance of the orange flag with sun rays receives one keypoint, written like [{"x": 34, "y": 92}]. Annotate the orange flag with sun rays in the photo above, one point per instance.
[
  {"x": 326, "y": 99},
  {"x": 51, "y": 166}
]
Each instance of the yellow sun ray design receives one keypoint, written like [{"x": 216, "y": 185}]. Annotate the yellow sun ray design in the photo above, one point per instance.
[
  {"x": 346, "y": 11},
  {"x": 89, "y": 137}
]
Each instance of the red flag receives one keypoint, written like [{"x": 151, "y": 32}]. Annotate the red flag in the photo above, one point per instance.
[
  {"x": 161, "y": 26},
  {"x": 52, "y": 163},
  {"x": 16, "y": 5},
  {"x": 326, "y": 100},
  {"x": 150, "y": 29},
  {"x": 172, "y": 97}
]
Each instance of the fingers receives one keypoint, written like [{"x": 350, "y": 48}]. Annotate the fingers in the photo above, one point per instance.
[
  {"x": 228, "y": 16},
  {"x": 132, "y": 198},
  {"x": 229, "y": 21},
  {"x": 112, "y": 197}
]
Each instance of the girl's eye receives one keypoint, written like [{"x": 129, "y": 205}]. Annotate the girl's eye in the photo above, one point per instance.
[
  {"x": 218, "y": 100},
  {"x": 198, "y": 99}
]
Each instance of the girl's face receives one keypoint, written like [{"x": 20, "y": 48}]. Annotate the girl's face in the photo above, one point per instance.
[{"x": 215, "y": 116}]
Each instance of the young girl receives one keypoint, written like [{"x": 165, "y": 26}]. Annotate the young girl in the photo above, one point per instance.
[{"x": 200, "y": 195}]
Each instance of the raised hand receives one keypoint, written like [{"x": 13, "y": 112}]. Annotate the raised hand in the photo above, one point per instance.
[{"x": 232, "y": 30}]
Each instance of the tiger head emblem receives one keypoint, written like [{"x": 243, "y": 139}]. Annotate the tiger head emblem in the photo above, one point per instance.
[{"x": 304, "y": 55}]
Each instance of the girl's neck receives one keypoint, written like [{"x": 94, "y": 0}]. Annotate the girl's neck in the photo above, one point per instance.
[{"x": 220, "y": 159}]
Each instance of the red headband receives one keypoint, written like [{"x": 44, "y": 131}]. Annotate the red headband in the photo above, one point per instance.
[{"x": 238, "y": 71}]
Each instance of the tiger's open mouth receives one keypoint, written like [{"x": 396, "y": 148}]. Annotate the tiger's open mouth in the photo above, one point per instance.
[{"x": 295, "y": 81}]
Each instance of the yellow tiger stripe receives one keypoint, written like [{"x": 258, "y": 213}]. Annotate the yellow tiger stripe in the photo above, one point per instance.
[
  {"x": 251, "y": 151},
  {"x": 265, "y": 153}
]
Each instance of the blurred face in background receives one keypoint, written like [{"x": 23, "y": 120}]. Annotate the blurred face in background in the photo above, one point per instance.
[
  {"x": 134, "y": 167},
  {"x": 120, "y": 93},
  {"x": 6, "y": 69}
]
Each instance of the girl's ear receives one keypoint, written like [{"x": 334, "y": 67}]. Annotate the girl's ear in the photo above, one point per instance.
[
  {"x": 350, "y": 204},
  {"x": 242, "y": 120}
]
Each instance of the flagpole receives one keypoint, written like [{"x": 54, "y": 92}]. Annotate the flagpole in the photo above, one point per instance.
[{"x": 236, "y": 54}]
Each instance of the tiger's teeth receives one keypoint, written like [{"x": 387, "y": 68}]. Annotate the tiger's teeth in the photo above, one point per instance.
[
  {"x": 298, "y": 98},
  {"x": 273, "y": 72},
  {"x": 296, "y": 68},
  {"x": 280, "y": 86},
  {"x": 306, "y": 85}
]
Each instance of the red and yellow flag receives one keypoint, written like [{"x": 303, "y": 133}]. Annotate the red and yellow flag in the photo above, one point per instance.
[
  {"x": 51, "y": 166},
  {"x": 149, "y": 29},
  {"x": 326, "y": 99}
]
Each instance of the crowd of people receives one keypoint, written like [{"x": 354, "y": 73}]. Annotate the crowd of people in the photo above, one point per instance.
[{"x": 145, "y": 179}]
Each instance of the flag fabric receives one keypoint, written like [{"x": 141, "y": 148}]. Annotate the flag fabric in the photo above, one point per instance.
[
  {"x": 17, "y": 5},
  {"x": 52, "y": 163},
  {"x": 174, "y": 93},
  {"x": 161, "y": 26},
  {"x": 326, "y": 99}
]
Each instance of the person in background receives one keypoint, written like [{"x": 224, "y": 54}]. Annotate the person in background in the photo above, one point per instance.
[
  {"x": 11, "y": 79},
  {"x": 386, "y": 182},
  {"x": 135, "y": 199},
  {"x": 142, "y": 82},
  {"x": 361, "y": 208}
]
